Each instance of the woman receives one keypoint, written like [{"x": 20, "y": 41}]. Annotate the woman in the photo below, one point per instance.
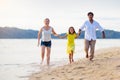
[{"x": 45, "y": 34}]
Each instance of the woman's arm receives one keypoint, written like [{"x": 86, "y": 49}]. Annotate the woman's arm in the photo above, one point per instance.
[
  {"x": 54, "y": 33},
  {"x": 39, "y": 35}
]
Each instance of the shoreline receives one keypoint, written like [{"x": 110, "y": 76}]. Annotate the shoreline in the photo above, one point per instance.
[{"x": 105, "y": 66}]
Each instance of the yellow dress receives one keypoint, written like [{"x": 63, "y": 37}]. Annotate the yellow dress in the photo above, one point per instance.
[{"x": 71, "y": 43}]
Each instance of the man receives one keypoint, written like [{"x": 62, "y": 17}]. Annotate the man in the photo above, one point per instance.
[{"x": 90, "y": 27}]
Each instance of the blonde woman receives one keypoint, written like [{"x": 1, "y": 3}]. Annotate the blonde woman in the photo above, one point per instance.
[{"x": 45, "y": 34}]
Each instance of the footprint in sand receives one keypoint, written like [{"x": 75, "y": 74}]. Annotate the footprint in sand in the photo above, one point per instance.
[
  {"x": 49, "y": 74},
  {"x": 69, "y": 71},
  {"x": 71, "y": 79},
  {"x": 78, "y": 68},
  {"x": 81, "y": 79},
  {"x": 52, "y": 78},
  {"x": 38, "y": 77},
  {"x": 62, "y": 72},
  {"x": 118, "y": 66}
]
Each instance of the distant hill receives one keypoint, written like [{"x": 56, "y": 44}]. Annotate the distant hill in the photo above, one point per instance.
[
  {"x": 15, "y": 33},
  {"x": 7, "y": 32}
]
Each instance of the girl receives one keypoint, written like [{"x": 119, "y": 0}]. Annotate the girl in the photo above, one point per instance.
[
  {"x": 71, "y": 35},
  {"x": 45, "y": 33}
]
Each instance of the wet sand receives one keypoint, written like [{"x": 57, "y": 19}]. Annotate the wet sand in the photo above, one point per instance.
[{"x": 105, "y": 66}]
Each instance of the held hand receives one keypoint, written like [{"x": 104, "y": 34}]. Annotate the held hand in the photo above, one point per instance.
[
  {"x": 57, "y": 35},
  {"x": 60, "y": 37},
  {"x": 79, "y": 32}
]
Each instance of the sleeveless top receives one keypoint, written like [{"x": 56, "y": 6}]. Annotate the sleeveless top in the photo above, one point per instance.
[{"x": 46, "y": 34}]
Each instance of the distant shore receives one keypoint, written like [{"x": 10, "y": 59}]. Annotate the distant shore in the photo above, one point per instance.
[
  {"x": 17, "y": 33},
  {"x": 106, "y": 66}
]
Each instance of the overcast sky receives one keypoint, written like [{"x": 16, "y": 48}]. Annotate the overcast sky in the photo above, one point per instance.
[{"x": 29, "y": 14}]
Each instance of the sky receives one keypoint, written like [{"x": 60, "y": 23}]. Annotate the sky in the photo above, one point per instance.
[{"x": 29, "y": 14}]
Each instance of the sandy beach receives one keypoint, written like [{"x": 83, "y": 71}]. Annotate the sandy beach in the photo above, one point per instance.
[{"x": 105, "y": 66}]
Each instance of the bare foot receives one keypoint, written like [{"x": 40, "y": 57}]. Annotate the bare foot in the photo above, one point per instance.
[
  {"x": 72, "y": 60},
  {"x": 91, "y": 58},
  {"x": 41, "y": 62}
]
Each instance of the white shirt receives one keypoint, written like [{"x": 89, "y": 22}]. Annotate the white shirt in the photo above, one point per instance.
[
  {"x": 46, "y": 34},
  {"x": 90, "y": 29}
]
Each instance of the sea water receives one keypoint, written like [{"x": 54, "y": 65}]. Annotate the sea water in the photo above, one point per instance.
[{"x": 19, "y": 58}]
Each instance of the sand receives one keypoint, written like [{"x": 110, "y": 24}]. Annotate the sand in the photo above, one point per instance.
[{"x": 105, "y": 66}]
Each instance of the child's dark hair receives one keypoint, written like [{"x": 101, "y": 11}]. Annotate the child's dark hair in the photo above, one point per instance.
[{"x": 73, "y": 30}]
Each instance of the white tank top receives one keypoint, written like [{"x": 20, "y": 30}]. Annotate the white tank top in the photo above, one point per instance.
[{"x": 46, "y": 34}]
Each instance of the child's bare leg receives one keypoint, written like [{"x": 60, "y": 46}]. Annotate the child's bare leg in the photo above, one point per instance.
[{"x": 70, "y": 58}]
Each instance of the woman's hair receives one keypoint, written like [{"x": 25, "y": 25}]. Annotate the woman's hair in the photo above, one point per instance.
[
  {"x": 73, "y": 30},
  {"x": 47, "y": 19}
]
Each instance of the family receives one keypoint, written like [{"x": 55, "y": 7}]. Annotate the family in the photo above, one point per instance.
[{"x": 90, "y": 26}]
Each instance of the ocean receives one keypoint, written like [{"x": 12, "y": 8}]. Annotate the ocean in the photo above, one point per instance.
[{"x": 19, "y": 58}]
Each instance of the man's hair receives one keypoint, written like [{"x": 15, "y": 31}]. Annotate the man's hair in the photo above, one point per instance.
[{"x": 90, "y": 13}]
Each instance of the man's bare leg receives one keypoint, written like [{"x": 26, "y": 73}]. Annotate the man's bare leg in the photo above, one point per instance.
[
  {"x": 92, "y": 48},
  {"x": 86, "y": 48}
]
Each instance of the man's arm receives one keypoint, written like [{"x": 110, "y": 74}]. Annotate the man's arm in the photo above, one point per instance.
[
  {"x": 103, "y": 34},
  {"x": 101, "y": 29},
  {"x": 81, "y": 28}
]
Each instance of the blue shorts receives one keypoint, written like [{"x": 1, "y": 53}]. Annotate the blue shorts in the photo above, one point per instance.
[{"x": 46, "y": 43}]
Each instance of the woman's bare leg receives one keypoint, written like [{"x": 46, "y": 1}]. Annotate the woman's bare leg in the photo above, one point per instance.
[
  {"x": 42, "y": 53},
  {"x": 48, "y": 55}
]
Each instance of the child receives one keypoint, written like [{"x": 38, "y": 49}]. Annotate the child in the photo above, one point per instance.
[{"x": 71, "y": 35}]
